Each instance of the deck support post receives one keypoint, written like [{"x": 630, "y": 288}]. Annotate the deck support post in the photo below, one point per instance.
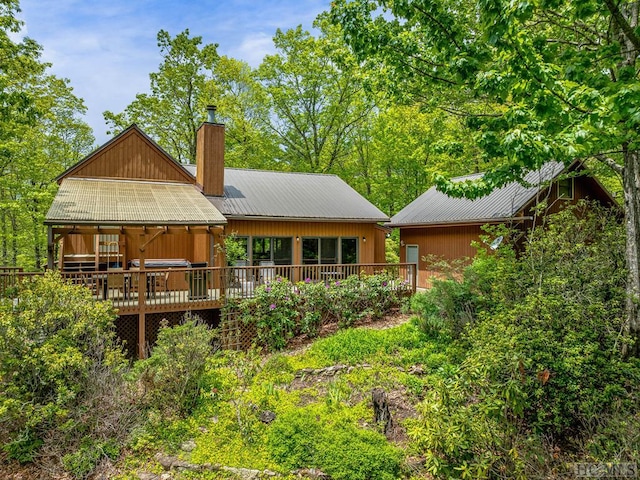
[
  {"x": 142, "y": 295},
  {"x": 142, "y": 334}
]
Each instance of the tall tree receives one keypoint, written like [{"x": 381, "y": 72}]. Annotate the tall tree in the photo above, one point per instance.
[
  {"x": 40, "y": 135},
  {"x": 243, "y": 108},
  {"x": 317, "y": 98},
  {"x": 564, "y": 74},
  {"x": 409, "y": 147},
  {"x": 173, "y": 110}
]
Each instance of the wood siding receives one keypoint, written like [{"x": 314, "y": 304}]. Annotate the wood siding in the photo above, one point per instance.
[
  {"x": 132, "y": 157},
  {"x": 454, "y": 242},
  {"x": 365, "y": 232},
  {"x": 449, "y": 243}
]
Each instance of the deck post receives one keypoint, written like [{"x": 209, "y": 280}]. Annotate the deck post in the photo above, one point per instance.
[
  {"x": 142, "y": 333},
  {"x": 142, "y": 294},
  {"x": 50, "y": 249}
]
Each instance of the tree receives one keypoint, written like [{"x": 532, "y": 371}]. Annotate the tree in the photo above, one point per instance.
[
  {"x": 243, "y": 108},
  {"x": 40, "y": 136},
  {"x": 317, "y": 98},
  {"x": 408, "y": 147},
  {"x": 555, "y": 79},
  {"x": 173, "y": 111}
]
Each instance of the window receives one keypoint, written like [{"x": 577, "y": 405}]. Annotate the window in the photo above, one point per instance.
[
  {"x": 349, "y": 250},
  {"x": 327, "y": 251},
  {"x": 565, "y": 188},
  {"x": 272, "y": 249}
]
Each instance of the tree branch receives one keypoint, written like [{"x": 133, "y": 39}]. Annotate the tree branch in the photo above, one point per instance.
[
  {"x": 610, "y": 162},
  {"x": 623, "y": 24}
]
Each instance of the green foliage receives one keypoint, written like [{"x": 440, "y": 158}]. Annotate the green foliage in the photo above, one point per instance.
[
  {"x": 173, "y": 375},
  {"x": 448, "y": 307},
  {"x": 304, "y": 439},
  {"x": 41, "y": 135},
  {"x": 281, "y": 310},
  {"x": 82, "y": 462},
  {"x": 234, "y": 249},
  {"x": 62, "y": 373},
  {"x": 543, "y": 354}
]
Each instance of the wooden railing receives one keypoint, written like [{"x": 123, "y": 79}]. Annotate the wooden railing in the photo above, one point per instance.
[{"x": 178, "y": 289}]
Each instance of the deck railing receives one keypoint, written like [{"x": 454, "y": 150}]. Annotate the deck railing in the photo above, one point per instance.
[{"x": 175, "y": 289}]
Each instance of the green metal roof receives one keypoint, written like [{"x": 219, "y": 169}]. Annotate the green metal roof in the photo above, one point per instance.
[{"x": 83, "y": 201}]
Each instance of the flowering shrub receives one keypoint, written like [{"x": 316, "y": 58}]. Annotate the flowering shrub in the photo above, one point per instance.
[{"x": 281, "y": 309}]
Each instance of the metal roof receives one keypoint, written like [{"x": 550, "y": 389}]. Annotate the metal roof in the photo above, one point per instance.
[
  {"x": 296, "y": 196},
  {"x": 83, "y": 201},
  {"x": 434, "y": 207}
]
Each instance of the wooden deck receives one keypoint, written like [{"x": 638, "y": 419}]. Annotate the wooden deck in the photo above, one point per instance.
[{"x": 184, "y": 289}]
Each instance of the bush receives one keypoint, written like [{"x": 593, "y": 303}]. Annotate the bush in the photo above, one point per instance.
[
  {"x": 543, "y": 353},
  {"x": 61, "y": 374},
  {"x": 173, "y": 375},
  {"x": 280, "y": 310}
]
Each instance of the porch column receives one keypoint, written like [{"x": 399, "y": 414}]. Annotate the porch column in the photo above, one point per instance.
[
  {"x": 142, "y": 293},
  {"x": 50, "y": 248}
]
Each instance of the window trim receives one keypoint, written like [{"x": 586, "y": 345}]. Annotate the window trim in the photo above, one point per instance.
[{"x": 571, "y": 186}]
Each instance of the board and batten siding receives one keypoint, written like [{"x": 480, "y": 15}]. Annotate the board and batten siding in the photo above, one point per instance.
[
  {"x": 365, "y": 232},
  {"x": 132, "y": 157},
  {"x": 448, "y": 243}
]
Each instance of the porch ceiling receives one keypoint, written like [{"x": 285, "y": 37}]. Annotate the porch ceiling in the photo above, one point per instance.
[{"x": 89, "y": 201}]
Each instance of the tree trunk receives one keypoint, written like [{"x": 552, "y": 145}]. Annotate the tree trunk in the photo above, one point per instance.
[
  {"x": 381, "y": 413},
  {"x": 631, "y": 181}
]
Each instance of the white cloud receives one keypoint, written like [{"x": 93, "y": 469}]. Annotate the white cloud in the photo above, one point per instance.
[{"x": 107, "y": 48}]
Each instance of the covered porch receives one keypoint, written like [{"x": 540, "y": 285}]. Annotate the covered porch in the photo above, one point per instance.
[{"x": 128, "y": 241}]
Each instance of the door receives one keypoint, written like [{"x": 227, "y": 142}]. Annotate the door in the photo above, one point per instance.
[{"x": 412, "y": 256}]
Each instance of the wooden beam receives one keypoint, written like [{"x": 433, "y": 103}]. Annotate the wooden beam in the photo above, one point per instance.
[
  {"x": 134, "y": 230},
  {"x": 153, "y": 237}
]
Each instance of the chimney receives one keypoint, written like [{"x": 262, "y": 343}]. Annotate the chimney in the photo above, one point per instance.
[{"x": 210, "y": 155}]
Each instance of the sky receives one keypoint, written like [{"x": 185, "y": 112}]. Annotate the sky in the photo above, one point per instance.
[{"x": 107, "y": 48}]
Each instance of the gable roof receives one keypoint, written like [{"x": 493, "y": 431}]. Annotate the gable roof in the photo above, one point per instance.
[
  {"x": 262, "y": 194},
  {"x": 132, "y": 155},
  {"x": 91, "y": 201},
  {"x": 435, "y": 208}
]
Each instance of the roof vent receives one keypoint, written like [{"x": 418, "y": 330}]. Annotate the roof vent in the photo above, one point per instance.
[{"x": 211, "y": 113}]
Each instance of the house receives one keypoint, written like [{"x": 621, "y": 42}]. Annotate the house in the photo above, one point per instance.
[
  {"x": 147, "y": 232},
  {"x": 436, "y": 225}
]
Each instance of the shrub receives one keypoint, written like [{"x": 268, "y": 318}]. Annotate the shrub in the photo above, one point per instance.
[
  {"x": 61, "y": 374},
  {"x": 543, "y": 354},
  {"x": 448, "y": 307},
  {"x": 173, "y": 374},
  {"x": 280, "y": 310}
]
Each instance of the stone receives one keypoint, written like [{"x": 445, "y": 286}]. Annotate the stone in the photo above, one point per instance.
[
  {"x": 267, "y": 416},
  {"x": 188, "y": 446}
]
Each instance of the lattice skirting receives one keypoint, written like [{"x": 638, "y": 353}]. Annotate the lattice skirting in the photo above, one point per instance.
[
  {"x": 127, "y": 327},
  {"x": 235, "y": 334}
]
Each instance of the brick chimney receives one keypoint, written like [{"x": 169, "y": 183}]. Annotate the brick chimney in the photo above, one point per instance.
[{"x": 210, "y": 155}]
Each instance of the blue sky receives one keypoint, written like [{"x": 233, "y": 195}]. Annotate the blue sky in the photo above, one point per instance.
[{"x": 107, "y": 48}]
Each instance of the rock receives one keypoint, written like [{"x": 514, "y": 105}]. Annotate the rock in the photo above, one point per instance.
[
  {"x": 188, "y": 446},
  {"x": 267, "y": 416},
  {"x": 249, "y": 474},
  {"x": 312, "y": 473},
  {"x": 148, "y": 476}
]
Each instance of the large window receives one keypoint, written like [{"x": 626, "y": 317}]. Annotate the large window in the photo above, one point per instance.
[
  {"x": 327, "y": 251},
  {"x": 272, "y": 249}
]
